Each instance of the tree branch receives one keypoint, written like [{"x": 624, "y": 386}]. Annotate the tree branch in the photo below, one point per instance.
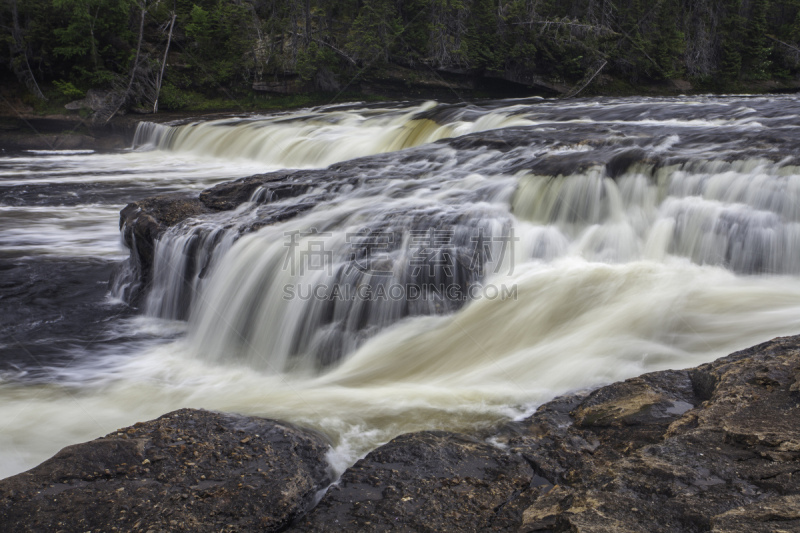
[
  {"x": 770, "y": 37},
  {"x": 574, "y": 93}
]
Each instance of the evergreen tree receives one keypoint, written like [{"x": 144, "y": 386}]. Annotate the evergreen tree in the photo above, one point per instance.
[
  {"x": 730, "y": 67},
  {"x": 220, "y": 47},
  {"x": 756, "y": 47},
  {"x": 374, "y": 31},
  {"x": 96, "y": 39},
  {"x": 483, "y": 44},
  {"x": 669, "y": 42},
  {"x": 635, "y": 48}
]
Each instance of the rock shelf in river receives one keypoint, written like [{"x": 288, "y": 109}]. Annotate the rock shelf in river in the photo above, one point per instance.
[{"x": 713, "y": 448}]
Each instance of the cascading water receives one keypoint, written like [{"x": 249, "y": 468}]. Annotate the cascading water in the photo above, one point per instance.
[
  {"x": 261, "y": 307},
  {"x": 317, "y": 287},
  {"x": 320, "y": 138},
  {"x": 468, "y": 264}
]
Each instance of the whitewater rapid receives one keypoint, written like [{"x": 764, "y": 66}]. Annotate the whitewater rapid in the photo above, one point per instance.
[{"x": 684, "y": 255}]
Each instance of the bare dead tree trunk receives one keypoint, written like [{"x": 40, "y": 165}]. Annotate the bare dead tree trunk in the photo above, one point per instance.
[
  {"x": 138, "y": 47},
  {"x": 791, "y": 47},
  {"x": 262, "y": 48},
  {"x": 581, "y": 86},
  {"x": 163, "y": 63},
  {"x": 294, "y": 37},
  {"x": 570, "y": 25},
  {"x": 19, "y": 56},
  {"x": 308, "y": 21},
  {"x": 95, "y": 60},
  {"x": 448, "y": 25},
  {"x": 120, "y": 100}
]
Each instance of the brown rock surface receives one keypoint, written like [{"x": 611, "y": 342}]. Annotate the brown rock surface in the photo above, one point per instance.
[
  {"x": 141, "y": 224},
  {"x": 715, "y": 448},
  {"x": 427, "y": 481},
  {"x": 712, "y": 448},
  {"x": 188, "y": 470}
]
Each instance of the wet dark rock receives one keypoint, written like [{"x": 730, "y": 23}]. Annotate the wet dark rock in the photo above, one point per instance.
[
  {"x": 713, "y": 448},
  {"x": 427, "y": 481},
  {"x": 548, "y": 150},
  {"x": 716, "y": 448},
  {"x": 272, "y": 187},
  {"x": 142, "y": 223},
  {"x": 188, "y": 470},
  {"x": 621, "y": 162},
  {"x": 405, "y": 80}
]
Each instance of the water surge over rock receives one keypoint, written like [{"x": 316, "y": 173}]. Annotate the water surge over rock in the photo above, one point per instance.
[
  {"x": 711, "y": 448},
  {"x": 482, "y": 211},
  {"x": 536, "y": 248}
]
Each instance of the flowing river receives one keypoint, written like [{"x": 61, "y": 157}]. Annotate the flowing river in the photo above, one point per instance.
[{"x": 444, "y": 266}]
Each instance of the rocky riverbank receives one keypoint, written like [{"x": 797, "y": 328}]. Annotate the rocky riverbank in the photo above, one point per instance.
[
  {"x": 713, "y": 448},
  {"x": 67, "y": 132}
]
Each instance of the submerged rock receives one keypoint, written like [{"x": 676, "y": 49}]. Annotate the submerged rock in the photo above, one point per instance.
[{"x": 188, "y": 470}]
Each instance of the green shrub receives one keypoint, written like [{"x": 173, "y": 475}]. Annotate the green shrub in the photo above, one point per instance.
[{"x": 68, "y": 90}]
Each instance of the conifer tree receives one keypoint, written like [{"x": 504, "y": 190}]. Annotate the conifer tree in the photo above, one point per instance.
[
  {"x": 732, "y": 34},
  {"x": 669, "y": 41},
  {"x": 483, "y": 50},
  {"x": 757, "y": 47}
]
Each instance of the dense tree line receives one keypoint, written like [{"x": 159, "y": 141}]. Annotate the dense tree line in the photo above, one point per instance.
[{"x": 230, "y": 45}]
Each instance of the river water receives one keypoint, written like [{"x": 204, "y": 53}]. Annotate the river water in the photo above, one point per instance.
[{"x": 575, "y": 243}]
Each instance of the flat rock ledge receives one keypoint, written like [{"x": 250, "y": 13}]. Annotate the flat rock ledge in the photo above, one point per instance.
[
  {"x": 145, "y": 221},
  {"x": 713, "y": 448}
]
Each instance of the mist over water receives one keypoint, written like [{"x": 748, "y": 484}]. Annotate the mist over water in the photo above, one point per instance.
[{"x": 535, "y": 248}]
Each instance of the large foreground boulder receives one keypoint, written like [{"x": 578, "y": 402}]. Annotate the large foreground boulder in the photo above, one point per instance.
[
  {"x": 188, "y": 470},
  {"x": 715, "y": 448},
  {"x": 427, "y": 481}
]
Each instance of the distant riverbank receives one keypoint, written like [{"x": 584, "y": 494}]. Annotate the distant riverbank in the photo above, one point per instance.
[{"x": 29, "y": 124}]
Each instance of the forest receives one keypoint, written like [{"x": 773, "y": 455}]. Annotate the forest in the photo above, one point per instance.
[{"x": 172, "y": 54}]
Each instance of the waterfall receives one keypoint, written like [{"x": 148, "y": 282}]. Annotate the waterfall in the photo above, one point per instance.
[
  {"x": 473, "y": 209},
  {"x": 370, "y": 270},
  {"x": 149, "y": 135},
  {"x": 263, "y": 303},
  {"x": 319, "y": 138}
]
